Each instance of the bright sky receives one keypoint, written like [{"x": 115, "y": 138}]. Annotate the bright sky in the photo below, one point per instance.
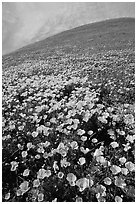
[{"x": 24, "y": 23}]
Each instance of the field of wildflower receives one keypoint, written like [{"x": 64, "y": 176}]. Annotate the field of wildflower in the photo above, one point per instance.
[{"x": 68, "y": 128}]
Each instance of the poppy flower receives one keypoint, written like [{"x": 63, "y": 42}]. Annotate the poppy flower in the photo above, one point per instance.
[
  {"x": 82, "y": 183},
  {"x": 71, "y": 178}
]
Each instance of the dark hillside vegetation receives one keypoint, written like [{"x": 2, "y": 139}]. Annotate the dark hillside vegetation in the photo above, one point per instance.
[{"x": 68, "y": 116}]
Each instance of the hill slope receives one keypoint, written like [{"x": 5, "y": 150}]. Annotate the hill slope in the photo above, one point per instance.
[
  {"x": 97, "y": 37},
  {"x": 68, "y": 117}
]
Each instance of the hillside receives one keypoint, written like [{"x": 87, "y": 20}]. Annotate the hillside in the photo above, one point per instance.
[{"x": 68, "y": 116}]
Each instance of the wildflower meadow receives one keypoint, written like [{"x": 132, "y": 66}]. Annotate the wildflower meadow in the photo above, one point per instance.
[{"x": 68, "y": 126}]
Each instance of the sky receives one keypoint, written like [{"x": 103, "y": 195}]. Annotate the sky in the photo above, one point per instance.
[{"x": 27, "y": 22}]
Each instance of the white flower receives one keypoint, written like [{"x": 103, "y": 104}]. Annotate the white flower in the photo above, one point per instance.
[
  {"x": 114, "y": 144},
  {"x": 80, "y": 132},
  {"x": 7, "y": 196},
  {"x": 98, "y": 152},
  {"x": 74, "y": 145},
  {"x": 130, "y": 138},
  {"x": 26, "y": 172},
  {"x": 130, "y": 166},
  {"x": 40, "y": 197},
  {"x": 115, "y": 169},
  {"x": 122, "y": 160},
  {"x": 24, "y": 154},
  {"x": 24, "y": 187},
  {"x": 82, "y": 161},
  {"x": 14, "y": 165},
  {"x": 118, "y": 199},
  {"x": 83, "y": 138},
  {"x": 36, "y": 183},
  {"x": 90, "y": 132},
  {"x": 124, "y": 171},
  {"x": 82, "y": 183},
  {"x": 71, "y": 178},
  {"x": 107, "y": 181}
]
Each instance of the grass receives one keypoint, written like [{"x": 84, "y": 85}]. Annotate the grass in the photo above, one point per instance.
[{"x": 68, "y": 117}]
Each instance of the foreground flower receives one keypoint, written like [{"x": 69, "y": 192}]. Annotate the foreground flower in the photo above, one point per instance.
[{"x": 82, "y": 183}]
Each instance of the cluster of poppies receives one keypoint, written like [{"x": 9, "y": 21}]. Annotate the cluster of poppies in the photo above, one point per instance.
[{"x": 69, "y": 135}]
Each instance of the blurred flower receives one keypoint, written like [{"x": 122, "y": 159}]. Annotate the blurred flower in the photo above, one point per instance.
[
  {"x": 14, "y": 165},
  {"x": 7, "y": 196},
  {"x": 82, "y": 161},
  {"x": 24, "y": 187},
  {"x": 119, "y": 182},
  {"x": 115, "y": 169},
  {"x": 36, "y": 183},
  {"x": 107, "y": 181},
  {"x": 114, "y": 144},
  {"x": 40, "y": 197},
  {"x": 83, "y": 138},
  {"x": 129, "y": 119},
  {"x": 101, "y": 191},
  {"x": 94, "y": 140},
  {"x": 74, "y": 145},
  {"x": 55, "y": 166},
  {"x": 130, "y": 138},
  {"x": 37, "y": 156},
  {"x": 34, "y": 134},
  {"x": 24, "y": 154},
  {"x": 64, "y": 163},
  {"x": 42, "y": 173},
  {"x": 71, "y": 178},
  {"x": 85, "y": 151},
  {"x": 122, "y": 160},
  {"x": 79, "y": 199},
  {"x": 29, "y": 145},
  {"x": 80, "y": 132},
  {"x": 55, "y": 200},
  {"x": 126, "y": 147},
  {"x": 118, "y": 199},
  {"x": 82, "y": 183},
  {"x": 124, "y": 171},
  {"x": 26, "y": 172},
  {"x": 60, "y": 175},
  {"x": 98, "y": 152},
  {"x": 130, "y": 166},
  {"x": 90, "y": 132}
]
